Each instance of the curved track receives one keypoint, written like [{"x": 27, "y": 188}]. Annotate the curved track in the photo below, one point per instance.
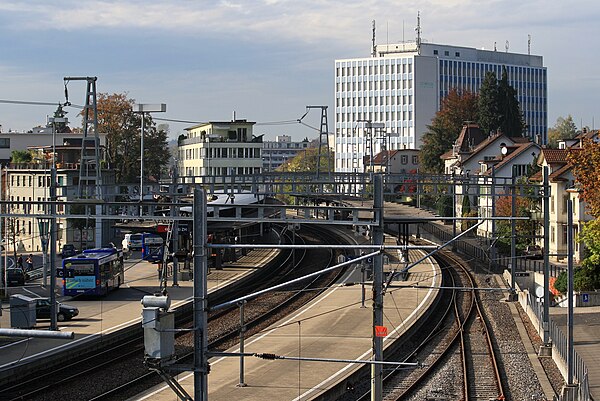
[
  {"x": 458, "y": 348},
  {"x": 223, "y": 330}
]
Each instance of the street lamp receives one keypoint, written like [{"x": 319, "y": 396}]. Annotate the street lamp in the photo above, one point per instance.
[{"x": 145, "y": 108}]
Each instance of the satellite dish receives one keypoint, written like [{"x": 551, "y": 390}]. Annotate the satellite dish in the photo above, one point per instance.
[{"x": 539, "y": 292}]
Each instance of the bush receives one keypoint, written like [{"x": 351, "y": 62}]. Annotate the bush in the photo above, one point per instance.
[{"x": 584, "y": 279}]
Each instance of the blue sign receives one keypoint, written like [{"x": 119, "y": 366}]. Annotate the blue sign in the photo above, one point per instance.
[{"x": 586, "y": 297}]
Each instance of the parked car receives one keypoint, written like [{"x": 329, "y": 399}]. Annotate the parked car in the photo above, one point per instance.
[
  {"x": 533, "y": 252},
  {"x": 15, "y": 276},
  {"x": 63, "y": 311},
  {"x": 68, "y": 250}
]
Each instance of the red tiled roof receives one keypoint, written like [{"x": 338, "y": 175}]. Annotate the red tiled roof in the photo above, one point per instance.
[{"x": 554, "y": 155}]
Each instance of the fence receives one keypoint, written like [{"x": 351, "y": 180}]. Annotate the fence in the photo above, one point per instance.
[
  {"x": 559, "y": 345},
  {"x": 479, "y": 248}
]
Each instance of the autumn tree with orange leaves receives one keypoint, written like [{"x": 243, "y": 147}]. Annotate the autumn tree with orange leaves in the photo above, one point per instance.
[
  {"x": 586, "y": 169},
  {"x": 122, "y": 126}
]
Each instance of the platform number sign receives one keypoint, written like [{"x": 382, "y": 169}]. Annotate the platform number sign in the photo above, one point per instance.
[{"x": 380, "y": 331}]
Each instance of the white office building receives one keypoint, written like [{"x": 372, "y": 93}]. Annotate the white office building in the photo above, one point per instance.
[
  {"x": 220, "y": 148},
  {"x": 387, "y": 100}
]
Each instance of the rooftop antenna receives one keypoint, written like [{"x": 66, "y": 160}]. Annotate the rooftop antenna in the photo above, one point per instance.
[
  {"x": 403, "y": 41},
  {"x": 418, "y": 29},
  {"x": 494, "y": 46},
  {"x": 506, "y": 46},
  {"x": 374, "y": 54},
  {"x": 529, "y": 44}
]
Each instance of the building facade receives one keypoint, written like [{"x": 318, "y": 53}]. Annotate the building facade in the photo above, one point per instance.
[
  {"x": 277, "y": 152},
  {"x": 388, "y": 99},
  {"x": 220, "y": 149}
]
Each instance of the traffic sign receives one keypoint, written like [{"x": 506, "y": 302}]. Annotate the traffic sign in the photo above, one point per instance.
[{"x": 585, "y": 297}]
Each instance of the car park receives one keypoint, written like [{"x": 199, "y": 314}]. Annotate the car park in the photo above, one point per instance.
[
  {"x": 68, "y": 250},
  {"x": 63, "y": 311}
]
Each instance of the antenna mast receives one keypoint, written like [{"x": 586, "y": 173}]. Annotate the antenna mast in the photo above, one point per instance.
[
  {"x": 374, "y": 50},
  {"x": 529, "y": 44},
  {"x": 418, "y": 29}
]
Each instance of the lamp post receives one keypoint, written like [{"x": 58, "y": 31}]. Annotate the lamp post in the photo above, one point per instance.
[{"x": 143, "y": 108}]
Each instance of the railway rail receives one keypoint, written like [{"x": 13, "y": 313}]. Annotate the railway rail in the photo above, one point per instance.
[
  {"x": 458, "y": 348},
  {"x": 126, "y": 359}
]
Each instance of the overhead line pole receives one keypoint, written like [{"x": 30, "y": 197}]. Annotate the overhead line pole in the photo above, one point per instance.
[
  {"x": 377, "y": 369},
  {"x": 200, "y": 298}
]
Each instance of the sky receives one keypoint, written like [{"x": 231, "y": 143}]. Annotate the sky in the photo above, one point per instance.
[{"x": 267, "y": 60}]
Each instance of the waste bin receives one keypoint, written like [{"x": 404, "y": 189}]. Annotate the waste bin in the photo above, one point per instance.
[{"x": 22, "y": 312}]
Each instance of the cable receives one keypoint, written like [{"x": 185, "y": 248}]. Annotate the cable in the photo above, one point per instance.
[
  {"x": 29, "y": 103},
  {"x": 174, "y": 120}
]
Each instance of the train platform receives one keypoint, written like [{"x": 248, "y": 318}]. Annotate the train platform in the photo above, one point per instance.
[
  {"x": 120, "y": 308},
  {"x": 336, "y": 325}
]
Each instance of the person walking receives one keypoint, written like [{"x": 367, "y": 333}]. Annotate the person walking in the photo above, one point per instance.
[
  {"x": 29, "y": 262},
  {"x": 20, "y": 262}
]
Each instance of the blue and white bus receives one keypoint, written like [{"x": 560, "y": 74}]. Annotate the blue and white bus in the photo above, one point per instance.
[
  {"x": 93, "y": 272},
  {"x": 152, "y": 247}
]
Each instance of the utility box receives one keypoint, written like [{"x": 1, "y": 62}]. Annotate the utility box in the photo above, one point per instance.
[
  {"x": 22, "y": 312},
  {"x": 159, "y": 335}
]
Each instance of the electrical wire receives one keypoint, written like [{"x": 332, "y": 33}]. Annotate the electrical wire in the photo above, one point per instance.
[{"x": 173, "y": 120}]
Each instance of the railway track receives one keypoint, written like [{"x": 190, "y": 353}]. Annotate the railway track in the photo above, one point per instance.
[
  {"x": 457, "y": 357},
  {"x": 80, "y": 380}
]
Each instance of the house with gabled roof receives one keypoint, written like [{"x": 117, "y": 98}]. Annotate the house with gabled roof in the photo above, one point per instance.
[
  {"x": 511, "y": 163},
  {"x": 563, "y": 187},
  {"x": 476, "y": 153},
  {"x": 398, "y": 161}
]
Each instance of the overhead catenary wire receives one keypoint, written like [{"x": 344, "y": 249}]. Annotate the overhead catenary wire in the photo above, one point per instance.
[{"x": 173, "y": 120}]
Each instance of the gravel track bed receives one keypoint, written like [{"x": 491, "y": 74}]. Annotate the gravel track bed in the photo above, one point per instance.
[{"x": 516, "y": 369}]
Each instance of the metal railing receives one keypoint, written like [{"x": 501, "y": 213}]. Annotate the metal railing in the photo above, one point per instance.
[{"x": 559, "y": 343}]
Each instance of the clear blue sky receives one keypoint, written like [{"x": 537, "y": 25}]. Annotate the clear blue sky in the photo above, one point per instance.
[{"x": 267, "y": 60}]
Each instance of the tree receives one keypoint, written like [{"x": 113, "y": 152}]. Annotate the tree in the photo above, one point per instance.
[
  {"x": 586, "y": 164},
  {"x": 21, "y": 156},
  {"x": 488, "y": 104},
  {"x": 457, "y": 108},
  {"x": 122, "y": 126},
  {"x": 564, "y": 128},
  {"x": 511, "y": 121}
]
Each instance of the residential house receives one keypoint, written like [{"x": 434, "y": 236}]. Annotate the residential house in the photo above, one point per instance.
[{"x": 563, "y": 187}]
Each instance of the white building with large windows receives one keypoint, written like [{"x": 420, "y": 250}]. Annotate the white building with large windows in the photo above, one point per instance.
[
  {"x": 387, "y": 100},
  {"x": 221, "y": 149}
]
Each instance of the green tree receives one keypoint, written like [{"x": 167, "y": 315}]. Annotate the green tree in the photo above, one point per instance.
[
  {"x": 488, "y": 104},
  {"x": 457, "y": 108},
  {"x": 564, "y": 128},
  {"x": 156, "y": 152},
  {"x": 21, "y": 156},
  {"x": 511, "y": 122}
]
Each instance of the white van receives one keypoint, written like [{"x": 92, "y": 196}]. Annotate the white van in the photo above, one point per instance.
[{"x": 133, "y": 241}]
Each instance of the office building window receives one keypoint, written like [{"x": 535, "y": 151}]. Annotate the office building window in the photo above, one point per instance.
[{"x": 4, "y": 143}]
